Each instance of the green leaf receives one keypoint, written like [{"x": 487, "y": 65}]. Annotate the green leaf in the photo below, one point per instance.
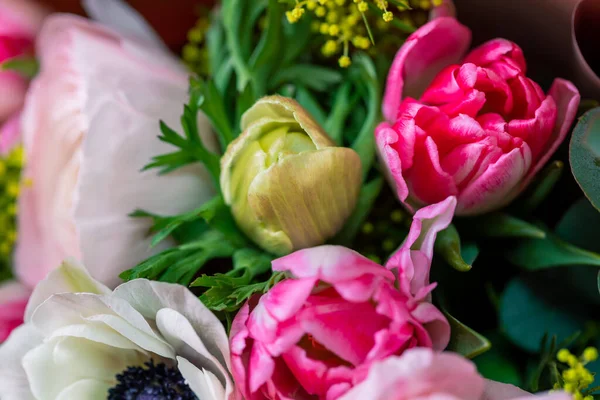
[
  {"x": 529, "y": 310},
  {"x": 580, "y": 226},
  {"x": 299, "y": 34},
  {"x": 464, "y": 340},
  {"x": 343, "y": 103},
  {"x": 542, "y": 186},
  {"x": 310, "y": 103},
  {"x": 180, "y": 264},
  {"x": 267, "y": 54},
  {"x": 25, "y": 66},
  {"x": 536, "y": 254},
  {"x": 448, "y": 245},
  {"x": 245, "y": 100},
  {"x": 226, "y": 292},
  {"x": 237, "y": 33},
  {"x": 498, "y": 363},
  {"x": 364, "y": 144},
  {"x": 206, "y": 97},
  {"x": 584, "y": 155},
  {"x": 501, "y": 225},
  {"x": 366, "y": 199},
  {"x": 314, "y": 77}
]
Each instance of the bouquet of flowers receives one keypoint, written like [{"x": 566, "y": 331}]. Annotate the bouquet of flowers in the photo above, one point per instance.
[{"x": 300, "y": 199}]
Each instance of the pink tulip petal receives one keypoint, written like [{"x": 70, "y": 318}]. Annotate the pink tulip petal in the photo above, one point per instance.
[
  {"x": 435, "y": 323},
  {"x": 493, "y": 188},
  {"x": 432, "y": 47},
  {"x": 537, "y": 130},
  {"x": 502, "y": 55},
  {"x": 420, "y": 374},
  {"x": 330, "y": 264},
  {"x": 13, "y": 301},
  {"x": 260, "y": 367},
  {"x": 332, "y": 323},
  {"x": 429, "y": 183},
  {"x": 386, "y": 138},
  {"x": 566, "y": 96}
]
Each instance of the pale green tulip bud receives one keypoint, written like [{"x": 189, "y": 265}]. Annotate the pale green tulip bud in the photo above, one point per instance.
[{"x": 287, "y": 184}]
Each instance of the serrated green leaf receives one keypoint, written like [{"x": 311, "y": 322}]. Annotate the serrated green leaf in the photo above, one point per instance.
[
  {"x": 501, "y": 225},
  {"x": 464, "y": 340},
  {"x": 448, "y": 246},
  {"x": 25, "y": 66},
  {"x": 206, "y": 97},
  {"x": 584, "y": 155}
]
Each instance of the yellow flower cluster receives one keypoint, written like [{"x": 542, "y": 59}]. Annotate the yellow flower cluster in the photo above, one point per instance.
[
  {"x": 10, "y": 171},
  {"x": 344, "y": 23},
  {"x": 577, "y": 378},
  {"x": 195, "y": 53}
]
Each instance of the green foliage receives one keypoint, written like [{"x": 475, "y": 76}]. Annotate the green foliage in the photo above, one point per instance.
[
  {"x": 530, "y": 310},
  {"x": 537, "y": 254},
  {"x": 26, "y": 66},
  {"x": 499, "y": 363},
  {"x": 584, "y": 155},
  {"x": 448, "y": 246},
  {"x": 366, "y": 199},
  {"x": 501, "y": 225},
  {"x": 226, "y": 292},
  {"x": 464, "y": 340}
]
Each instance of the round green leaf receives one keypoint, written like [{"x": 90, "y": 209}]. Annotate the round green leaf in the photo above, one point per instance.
[
  {"x": 584, "y": 155},
  {"x": 527, "y": 312}
]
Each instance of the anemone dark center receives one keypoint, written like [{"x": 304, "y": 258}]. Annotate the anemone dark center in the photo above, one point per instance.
[{"x": 151, "y": 382}]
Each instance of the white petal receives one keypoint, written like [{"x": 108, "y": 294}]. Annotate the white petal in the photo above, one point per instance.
[
  {"x": 202, "y": 382},
  {"x": 13, "y": 380},
  {"x": 178, "y": 331},
  {"x": 149, "y": 297},
  {"x": 120, "y": 16},
  {"x": 88, "y": 389},
  {"x": 63, "y": 310},
  {"x": 71, "y": 277},
  {"x": 59, "y": 363},
  {"x": 128, "y": 90}
]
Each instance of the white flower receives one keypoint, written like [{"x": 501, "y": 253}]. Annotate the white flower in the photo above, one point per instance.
[{"x": 73, "y": 345}]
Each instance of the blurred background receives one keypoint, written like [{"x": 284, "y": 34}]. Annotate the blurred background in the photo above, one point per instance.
[{"x": 172, "y": 19}]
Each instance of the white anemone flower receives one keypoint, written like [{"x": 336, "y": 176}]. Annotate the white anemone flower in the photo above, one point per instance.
[{"x": 86, "y": 342}]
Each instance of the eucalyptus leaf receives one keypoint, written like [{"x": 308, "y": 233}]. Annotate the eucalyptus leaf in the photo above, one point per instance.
[
  {"x": 448, "y": 246},
  {"x": 464, "y": 340},
  {"x": 584, "y": 155},
  {"x": 529, "y": 310}
]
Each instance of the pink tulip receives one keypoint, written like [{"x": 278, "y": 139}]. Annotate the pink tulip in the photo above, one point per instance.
[
  {"x": 480, "y": 129},
  {"x": 20, "y": 21},
  {"x": 424, "y": 374},
  {"x": 90, "y": 125},
  {"x": 314, "y": 335}
]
